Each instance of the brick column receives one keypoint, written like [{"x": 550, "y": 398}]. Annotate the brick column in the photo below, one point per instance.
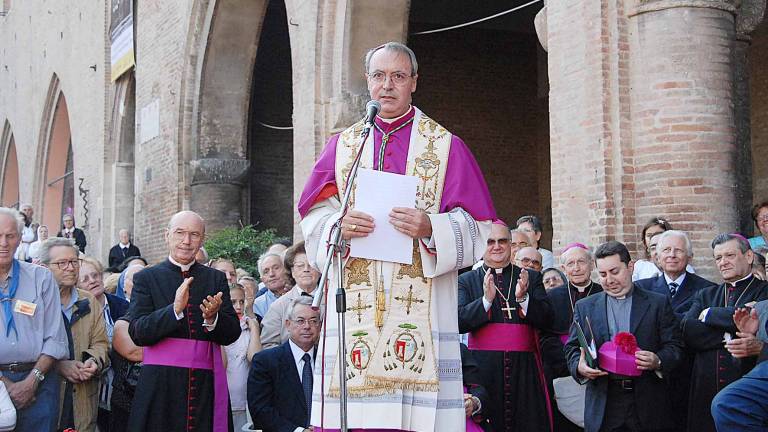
[
  {"x": 684, "y": 135},
  {"x": 216, "y": 191}
]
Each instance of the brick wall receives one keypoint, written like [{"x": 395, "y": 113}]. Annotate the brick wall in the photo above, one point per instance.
[
  {"x": 758, "y": 58},
  {"x": 482, "y": 85}
]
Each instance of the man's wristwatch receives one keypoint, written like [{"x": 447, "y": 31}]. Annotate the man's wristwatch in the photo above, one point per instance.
[{"x": 39, "y": 376}]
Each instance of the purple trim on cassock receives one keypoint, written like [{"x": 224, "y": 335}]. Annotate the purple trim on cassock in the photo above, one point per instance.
[
  {"x": 464, "y": 186},
  {"x": 196, "y": 354}
]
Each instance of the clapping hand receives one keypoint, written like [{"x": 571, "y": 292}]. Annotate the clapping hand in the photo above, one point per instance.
[
  {"x": 746, "y": 320},
  {"x": 489, "y": 287},
  {"x": 522, "y": 284},
  {"x": 210, "y": 306}
]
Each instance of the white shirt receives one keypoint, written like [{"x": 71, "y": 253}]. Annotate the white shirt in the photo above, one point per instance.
[
  {"x": 678, "y": 281},
  {"x": 298, "y": 355},
  {"x": 7, "y": 410}
]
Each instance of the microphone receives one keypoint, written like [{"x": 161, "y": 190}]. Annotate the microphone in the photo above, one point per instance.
[{"x": 372, "y": 108}]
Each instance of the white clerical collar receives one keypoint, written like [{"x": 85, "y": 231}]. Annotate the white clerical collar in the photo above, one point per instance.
[
  {"x": 184, "y": 267},
  {"x": 68, "y": 230},
  {"x": 733, "y": 284},
  {"x": 678, "y": 281},
  {"x": 392, "y": 120},
  {"x": 125, "y": 246},
  {"x": 581, "y": 289}
]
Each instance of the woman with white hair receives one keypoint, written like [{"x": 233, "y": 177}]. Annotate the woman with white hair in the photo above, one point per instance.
[{"x": 34, "y": 249}]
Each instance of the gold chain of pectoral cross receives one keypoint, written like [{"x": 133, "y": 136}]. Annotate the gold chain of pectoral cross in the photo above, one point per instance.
[
  {"x": 507, "y": 308},
  {"x": 385, "y": 140}
]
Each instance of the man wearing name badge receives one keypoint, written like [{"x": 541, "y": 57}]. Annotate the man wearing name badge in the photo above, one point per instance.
[
  {"x": 622, "y": 400},
  {"x": 402, "y": 336},
  {"x": 501, "y": 306},
  {"x": 181, "y": 314},
  {"x": 709, "y": 330},
  {"x": 32, "y": 333}
]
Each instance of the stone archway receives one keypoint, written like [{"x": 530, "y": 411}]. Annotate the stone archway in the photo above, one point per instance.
[
  {"x": 9, "y": 196},
  {"x": 56, "y": 186},
  {"x": 214, "y": 138},
  {"x": 119, "y": 204}
]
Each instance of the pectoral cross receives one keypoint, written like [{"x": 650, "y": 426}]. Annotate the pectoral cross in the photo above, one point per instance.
[
  {"x": 508, "y": 309},
  {"x": 359, "y": 308},
  {"x": 409, "y": 300}
]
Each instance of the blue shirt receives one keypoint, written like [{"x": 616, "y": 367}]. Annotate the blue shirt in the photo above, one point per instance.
[
  {"x": 756, "y": 242},
  {"x": 262, "y": 303}
]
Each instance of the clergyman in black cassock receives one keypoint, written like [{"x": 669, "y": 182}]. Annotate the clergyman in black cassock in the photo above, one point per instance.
[
  {"x": 514, "y": 379},
  {"x": 704, "y": 332},
  {"x": 170, "y": 398}
]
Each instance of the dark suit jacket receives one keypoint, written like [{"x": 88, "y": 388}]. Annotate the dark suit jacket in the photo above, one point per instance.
[
  {"x": 275, "y": 395},
  {"x": 116, "y": 256},
  {"x": 117, "y": 306},
  {"x": 681, "y": 302},
  {"x": 79, "y": 237},
  {"x": 654, "y": 325}
]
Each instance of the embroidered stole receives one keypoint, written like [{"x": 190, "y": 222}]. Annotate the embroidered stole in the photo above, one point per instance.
[{"x": 389, "y": 335}]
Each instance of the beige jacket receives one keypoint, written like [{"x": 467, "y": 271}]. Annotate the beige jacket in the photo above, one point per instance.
[
  {"x": 273, "y": 331},
  {"x": 89, "y": 336}
]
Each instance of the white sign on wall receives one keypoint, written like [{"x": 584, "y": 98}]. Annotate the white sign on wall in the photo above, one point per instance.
[{"x": 150, "y": 121}]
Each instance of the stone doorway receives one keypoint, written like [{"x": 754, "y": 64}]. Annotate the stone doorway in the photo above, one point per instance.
[
  {"x": 9, "y": 197},
  {"x": 270, "y": 133},
  {"x": 58, "y": 186},
  {"x": 487, "y": 83}
]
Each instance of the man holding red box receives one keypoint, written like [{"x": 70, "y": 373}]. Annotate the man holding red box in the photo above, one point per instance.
[{"x": 616, "y": 398}]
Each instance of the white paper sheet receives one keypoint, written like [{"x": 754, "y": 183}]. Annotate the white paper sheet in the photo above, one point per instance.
[{"x": 377, "y": 193}]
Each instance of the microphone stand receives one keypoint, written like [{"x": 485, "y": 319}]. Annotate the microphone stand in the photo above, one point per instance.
[{"x": 335, "y": 252}]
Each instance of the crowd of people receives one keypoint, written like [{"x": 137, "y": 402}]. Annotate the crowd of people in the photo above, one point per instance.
[{"x": 483, "y": 330}]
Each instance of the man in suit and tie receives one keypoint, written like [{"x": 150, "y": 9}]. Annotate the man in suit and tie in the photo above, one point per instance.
[
  {"x": 674, "y": 252},
  {"x": 617, "y": 402},
  {"x": 280, "y": 379}
]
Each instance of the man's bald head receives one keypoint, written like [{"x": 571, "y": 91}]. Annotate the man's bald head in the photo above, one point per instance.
[
  {"x": 185, "y": 236},
  {"x": 529, "y": 258},
  {"x": 518, "y": 240}
]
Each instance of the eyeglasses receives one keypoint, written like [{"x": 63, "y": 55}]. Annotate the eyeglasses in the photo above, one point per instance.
[
  {"x": 397, "y": 78},
  {"x": 301, "y": 322},
  {"x": 528, "y": 261},
  {"x": 181, "y": 235},
  {"x": 762, "y": 219},
  {"x": 500, "y": 242},
  {"x": 62, "y": 265}
]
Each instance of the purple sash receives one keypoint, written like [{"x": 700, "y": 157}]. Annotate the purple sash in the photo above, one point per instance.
[
  {"x": 564, "y": 338},
  {"x": 503, "y": 337},
  {"x": 196, "y": 354}
]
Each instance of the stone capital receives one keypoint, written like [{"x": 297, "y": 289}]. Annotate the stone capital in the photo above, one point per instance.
[
  {"x": 645, "y": 6},
  {"x": 219, "y": 171},
  {"x": 748, "y": 16}
]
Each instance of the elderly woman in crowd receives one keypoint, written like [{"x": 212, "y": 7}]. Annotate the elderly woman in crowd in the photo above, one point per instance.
[
  {"x": 552, "y": 278},
  {"x": 34, "y": 249},
  {"x": 113, "y": 307},
  {"x": 125, "y": 283}
]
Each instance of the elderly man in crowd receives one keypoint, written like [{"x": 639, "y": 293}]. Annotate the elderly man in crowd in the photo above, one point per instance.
[
  {"x": 528, "y": 258},
  {"x": 181, "y": 314},
  {"x": 709, "y": 323},
  {"x": 673, "y": 254},
  {"x": 274, "y": 277},
  {"x": 123, "y": 249},
  {"x": 281, "y": 379},
  {"x": 88, "y": 347},
  {"x": 531, "y": 225},
  {"x": 501, "y": 306},
  {"x": 306, "y": 277},
  {"x": 615, "y": 401},
  {"x": 577, "y": 262},
  {"x": 33, "y": 337}
]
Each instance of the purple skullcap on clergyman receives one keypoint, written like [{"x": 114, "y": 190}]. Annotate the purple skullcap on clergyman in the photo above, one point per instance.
[
  {"x": 499, "y": 222},
  {"x": 740, "y": 236},
  {"x": 575, "y": 245}
]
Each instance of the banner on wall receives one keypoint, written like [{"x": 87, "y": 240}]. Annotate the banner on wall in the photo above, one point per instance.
[{"x": 121, "y": 36}]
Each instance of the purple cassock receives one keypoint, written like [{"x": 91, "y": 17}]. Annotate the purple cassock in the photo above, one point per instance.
[{"x": 464, "y": 183}]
